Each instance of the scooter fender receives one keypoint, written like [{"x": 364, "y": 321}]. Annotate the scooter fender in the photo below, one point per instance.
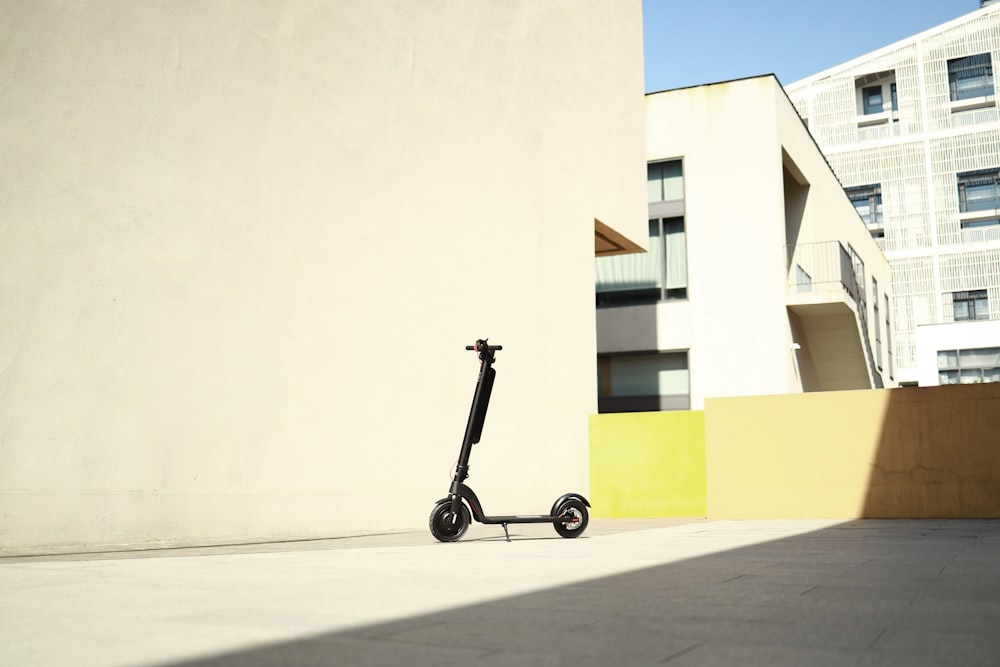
[
  {"x": 467, "y": 494},
  {"x": 563, "y": 498}
]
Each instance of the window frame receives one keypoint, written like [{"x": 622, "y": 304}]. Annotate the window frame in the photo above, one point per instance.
[
  {"x": 985, "y": 179},
  {"x": 958, "y": 371},
  {"x": 870, "y": 193},
  {"x": 878, "y": 324},
  {"x": 973, "y": 301},
  {"x": 869, "y": 92},
  {"x": 973, "y": 68},
  {"x": 609, "y": 403},
  {"x": 662, "y": 179}
]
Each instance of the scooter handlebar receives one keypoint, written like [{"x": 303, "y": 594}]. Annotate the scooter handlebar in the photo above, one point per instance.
[{"x": 482, "y": 345}]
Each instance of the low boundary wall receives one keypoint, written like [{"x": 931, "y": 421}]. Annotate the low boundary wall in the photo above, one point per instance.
[
  {"x": 648, "y": 464},
  {"x": 916, "y": 452}
]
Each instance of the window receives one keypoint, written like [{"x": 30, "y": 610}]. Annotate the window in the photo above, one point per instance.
[
  {"x": 969, "y": 366},
  {"x": 665, "y": 181},
  {"x": 970, "y": 77},
  {"x": 878, "y": 325},
  {"x": 661, "y": 273},
  {"x": 971, "y": 305},
  {"x": 892, "y": 95},
  {"x": 870, "y": 93},
  {"x": 888, "y": 336},
  {"x": 643, "y": 382},
  {"x": 867, "y": 200},
  {"x": 979, "y": 224},
  {"x": 978, "y": 190},
  {"x": 803, "y": 281},
  {"x": 858, "y": 267},
  {"x": 657, "y": 275},
  {"x": 872, "y": 99}
]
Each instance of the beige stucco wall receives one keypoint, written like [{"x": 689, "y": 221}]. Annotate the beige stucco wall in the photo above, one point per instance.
[{"x": 243, "y": 246}]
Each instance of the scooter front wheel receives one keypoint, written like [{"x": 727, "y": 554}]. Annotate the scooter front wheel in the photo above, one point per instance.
[
  {"x": 448, "y": 526},
  {"x": 576, "y": 518}
]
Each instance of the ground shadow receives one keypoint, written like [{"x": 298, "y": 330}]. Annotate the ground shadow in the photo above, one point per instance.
[{"x": 859, "y": 593}]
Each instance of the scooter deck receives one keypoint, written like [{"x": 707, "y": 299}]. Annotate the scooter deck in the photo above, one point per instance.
[{"x": 536, "y": 518}]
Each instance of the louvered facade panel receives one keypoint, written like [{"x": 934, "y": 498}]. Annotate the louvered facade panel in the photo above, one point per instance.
[{"x": 937, "y": 243}]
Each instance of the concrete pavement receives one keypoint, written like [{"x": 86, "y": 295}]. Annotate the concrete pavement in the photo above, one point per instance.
[{"x": 869, "y": 592}]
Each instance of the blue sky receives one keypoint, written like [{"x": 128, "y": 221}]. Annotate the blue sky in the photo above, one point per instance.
[{"x": 690, "y": 42}]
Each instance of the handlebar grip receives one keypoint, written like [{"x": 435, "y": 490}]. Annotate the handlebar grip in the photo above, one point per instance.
[{"x": 470, "y": 347}]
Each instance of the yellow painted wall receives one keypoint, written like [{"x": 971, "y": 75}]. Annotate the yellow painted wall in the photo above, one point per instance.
[
  {"x": 898, "y": 453},
  {"x": 911, "y": 452},
  {"x": 649, "y": 464}
]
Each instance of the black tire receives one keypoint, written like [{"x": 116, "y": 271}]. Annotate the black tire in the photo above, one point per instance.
[
  {"x": 576, "y": 511},
  {"x": 445, "y": 525}
]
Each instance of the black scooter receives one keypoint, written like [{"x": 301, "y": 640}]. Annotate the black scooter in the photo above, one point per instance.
[{"x": 450, "y": 517}]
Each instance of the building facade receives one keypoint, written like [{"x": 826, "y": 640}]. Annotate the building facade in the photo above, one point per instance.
[
  {"x": 912, "y": 131},
  {"x": 243, "y": 247},
  {"x": 760, "y": 277}
]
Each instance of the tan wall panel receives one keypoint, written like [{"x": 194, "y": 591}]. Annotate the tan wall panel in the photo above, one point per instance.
[{"x": 913, "y": 452}]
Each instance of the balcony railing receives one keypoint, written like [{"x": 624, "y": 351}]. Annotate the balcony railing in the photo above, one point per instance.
[
  {"x": 980, "y": 234},
  {"x": 876, "y": 132},
  {"x": 822, "y": 267}
]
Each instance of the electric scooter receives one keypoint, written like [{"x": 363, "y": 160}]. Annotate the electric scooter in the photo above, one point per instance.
[{"x": 450, "y": 517}]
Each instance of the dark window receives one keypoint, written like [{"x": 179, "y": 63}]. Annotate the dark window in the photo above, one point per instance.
[
  {"x": 892, "y": 94},
  {"x": 981, "y": 224},
  {"x": 888, "y": 335},
  {"x": 867, "y": 200},
  {"x": 978, "y": 190},
  {"x": 872, "y": 98},
  {"x": 971, "y": 305},
  {"x": 858, "y": 267},
  {"x": 878, "y": 325},
  {"x": 643, "y": 382},
  {"x": 970, "y": 77}
]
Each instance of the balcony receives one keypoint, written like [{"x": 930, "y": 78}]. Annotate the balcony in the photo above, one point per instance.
[
  {"x": 980, "y": 98},
  {"x": 973, "y": 233},
  {"x": 825, "y": 297},
  {"x": 822, "y": 273},
  {"x": 979, "y": 205}
]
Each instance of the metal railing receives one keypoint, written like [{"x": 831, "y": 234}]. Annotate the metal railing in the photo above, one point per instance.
[
  {"x": 815, "y": 267},
  {"x": 826, "y": 266}
]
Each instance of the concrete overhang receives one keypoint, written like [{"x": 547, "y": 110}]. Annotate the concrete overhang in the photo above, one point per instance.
[{"x": 832, "y": 339}]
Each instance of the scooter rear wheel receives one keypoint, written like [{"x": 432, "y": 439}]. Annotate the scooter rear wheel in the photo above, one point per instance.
[
  {"x": 447, "y": 526},
  {"x": 577, "y": 517}
]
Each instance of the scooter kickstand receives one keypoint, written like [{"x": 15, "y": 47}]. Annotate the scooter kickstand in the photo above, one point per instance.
[{"x": 504, "y": 524}]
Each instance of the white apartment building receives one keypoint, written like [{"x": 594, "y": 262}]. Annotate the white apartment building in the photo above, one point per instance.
[
  {"x": 912, "y": 131},
  {"x": 760, "y": 277}
]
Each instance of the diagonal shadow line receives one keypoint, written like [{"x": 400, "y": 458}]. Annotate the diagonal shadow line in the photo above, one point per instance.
[{"x": 915, "y": 592}]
